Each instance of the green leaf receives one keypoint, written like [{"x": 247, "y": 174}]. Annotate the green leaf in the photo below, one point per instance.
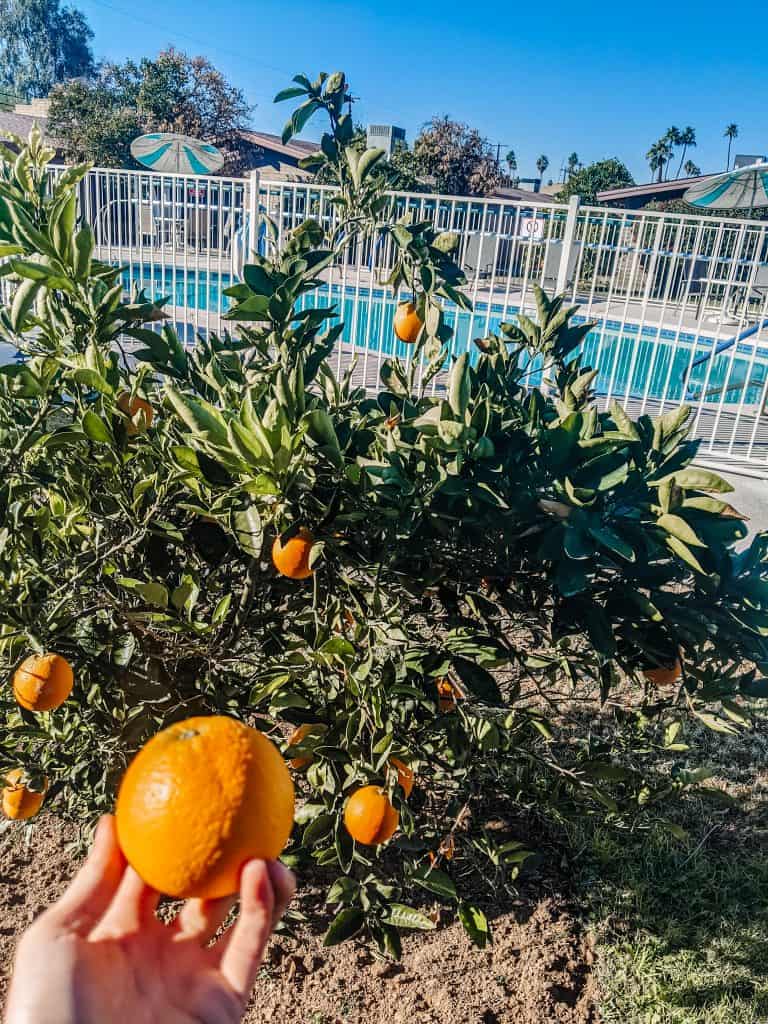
[
  {"x": 684, "y": 552},
  {"x": 623, "y": 423},
  {"x": 475, "y": 924},
  {"x": 346, "y": 924},
  {"x": 406, "y": 917},
  {"x": 92, "y": 379},
  {"x": 154, "y": 593},
  {"x": 96, "y": 429},
  {"x": 459, "y": 385},
  {"x": 199, "y": 416},
  {"x": 248, "y": 530},
  {"x": 610, "y": 539},
  {"x": 436, "y": 882},
  {"x": 695, "y": 479},
  {"x": 677, "y": 527}
]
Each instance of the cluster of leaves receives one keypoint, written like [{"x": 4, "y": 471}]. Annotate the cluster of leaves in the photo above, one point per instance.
[{"x": 504, "y": 538}]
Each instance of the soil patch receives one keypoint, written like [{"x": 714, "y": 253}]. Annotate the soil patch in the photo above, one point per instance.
[{"x": 538, "y": 969}]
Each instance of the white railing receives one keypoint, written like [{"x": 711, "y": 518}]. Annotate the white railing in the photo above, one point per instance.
[{"x": 667, "y": 292}]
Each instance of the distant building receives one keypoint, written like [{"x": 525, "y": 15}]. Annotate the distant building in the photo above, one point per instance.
[
  {"x": 274, "y": 158},
  {"x": 384, "y": 136},
  {"x": 746, "y": 160}
]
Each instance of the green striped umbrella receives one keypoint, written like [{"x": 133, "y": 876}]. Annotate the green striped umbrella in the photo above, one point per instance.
[
  {"x": 176, "y": 154},
  {"x": 743, "y": 189}
]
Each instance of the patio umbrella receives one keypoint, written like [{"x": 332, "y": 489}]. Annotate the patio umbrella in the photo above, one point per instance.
[
  {"x": 743, "y": 189},
  {"x": 176, "y": 154}
]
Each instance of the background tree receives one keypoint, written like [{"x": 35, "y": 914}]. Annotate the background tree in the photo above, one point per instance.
[
  {"x": 687, "y": 140},
  {"x": 42, "y": 44},
  {"x": 511, "y": 160},
  {"x": 731, "y": 133},
  {"x": 588, "y": 181},
  {"x": 97, "y": 120},
  {"x": 669, "y": 141},
  {"x": 457, "y": 158},
  {"x": 542, "y": 164},
  {"x": 656, "y": 157},
  {"x": 572, "y": 163},
  {"x": 691, "y": 169}
]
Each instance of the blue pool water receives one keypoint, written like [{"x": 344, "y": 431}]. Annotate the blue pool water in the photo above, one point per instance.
[{"x": 630, "y": 361}]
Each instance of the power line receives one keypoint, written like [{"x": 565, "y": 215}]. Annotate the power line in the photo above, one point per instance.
[{"x": 174, "y": 32}]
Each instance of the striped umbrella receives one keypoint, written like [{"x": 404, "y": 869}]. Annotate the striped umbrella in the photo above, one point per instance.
[
  {"x": 176, "y": 154},
  {"x": 743, "y": 189}
]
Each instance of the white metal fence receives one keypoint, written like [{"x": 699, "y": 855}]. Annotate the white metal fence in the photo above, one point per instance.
[{"x": 680, "y": 301}]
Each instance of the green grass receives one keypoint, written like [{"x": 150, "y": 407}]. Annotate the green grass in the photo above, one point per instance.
[{"x": 682, "y": 927}]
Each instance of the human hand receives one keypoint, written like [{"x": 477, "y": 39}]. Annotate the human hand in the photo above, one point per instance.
[{"x": 101, "y": 956}]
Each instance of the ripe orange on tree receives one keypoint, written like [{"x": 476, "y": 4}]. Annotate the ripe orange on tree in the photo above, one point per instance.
[
  {"x": 298, "y": 735},
  {"x": 407, "y": 323},
  {"x": 447, "y": 694},
  {"x": 21, "y": 800},
  {"x": 43, "y": 682},
  {"x": 369, "y": 817},
  {"x": 664, "y": 675},
  {"x": 292, "y": 558},
  {"x": 405, "y": 775},
  {"x": 200, "y": 799},
  {"x": 134, "y": 406}
]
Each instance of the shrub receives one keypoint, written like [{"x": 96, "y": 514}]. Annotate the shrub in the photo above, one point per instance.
[{"x": 476, "y": 543}]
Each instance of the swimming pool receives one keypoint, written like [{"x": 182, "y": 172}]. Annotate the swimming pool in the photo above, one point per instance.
[{"x": 631, "y": 361}]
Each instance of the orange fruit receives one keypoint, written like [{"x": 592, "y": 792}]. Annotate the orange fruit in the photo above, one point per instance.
[
  {"x": 292, "y": 558},
  {"x": 43, "y": 682},
  {"x": 405, "y": 776},
  {"x": 407, "y": 323},
  {"x": 369, "y": 817},
  {"x": 447, "y": 694},
  {"x": 664, "y": 675},
  {"x": 298, "y": 735},
  {"x": 200, "y": 799},
  {"x": 20, "y": 801},
  {"x": 133, "y": 407}
]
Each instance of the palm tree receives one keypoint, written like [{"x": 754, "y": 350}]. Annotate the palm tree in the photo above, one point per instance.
[
  {"x": 656, "y": 159},
  {"x": 542, "y": 164},
  {"x": 731, "y": 132},
  {"x": 572, "y": 163},
  {"x": 511, "y": 160},
  {"x": 691, "y": 169},
  {"x": 687, "y": 140},
  {"x": 669, "y": 140}
]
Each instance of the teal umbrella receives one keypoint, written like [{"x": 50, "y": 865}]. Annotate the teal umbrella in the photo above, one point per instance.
[
  {"x": 743, "y": 189},
  {"x": 176, "y": 154}
]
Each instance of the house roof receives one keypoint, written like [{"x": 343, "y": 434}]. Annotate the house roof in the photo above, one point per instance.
[
  {"x": 523, "y": 194},
  {"x": 651, "y": 190},
  {"x": 19, "y": 124},
  {"x": 296, "y": 148}
]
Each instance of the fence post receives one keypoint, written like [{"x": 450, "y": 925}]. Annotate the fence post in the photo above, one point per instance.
[
  {"x": 252, "y": 235},
  {"x": 568, "y": 239}
]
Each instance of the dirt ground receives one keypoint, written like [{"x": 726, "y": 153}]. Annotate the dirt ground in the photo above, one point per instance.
[{"x": 538, "y": 969}]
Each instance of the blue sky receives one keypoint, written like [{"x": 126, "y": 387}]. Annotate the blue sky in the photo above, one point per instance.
[{"x": 539, "y": 78}]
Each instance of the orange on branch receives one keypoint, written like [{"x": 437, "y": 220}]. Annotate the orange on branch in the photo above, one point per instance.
[
  {"x": 664, "y": 675},
  {"x": 292, "y": 558},
  {"x": 369, "y": 817},
  {"x": 200, "y": 799},
  {"x": 135, "y": 407},
  {"x": 43, "y": 682},
  {"x": 405, "y": 776},
  {"x": 20, "y": 799},
  {"x": 298, "y": 735},
  {"x": 407, "y": 323},
  {"x": 447, "y": 694}
]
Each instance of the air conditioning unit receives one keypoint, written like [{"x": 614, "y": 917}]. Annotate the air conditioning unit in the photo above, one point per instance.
[{"x": 384, "y": 136}]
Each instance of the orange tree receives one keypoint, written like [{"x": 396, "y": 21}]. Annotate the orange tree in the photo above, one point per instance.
[{"x": 399, "y": 587}]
